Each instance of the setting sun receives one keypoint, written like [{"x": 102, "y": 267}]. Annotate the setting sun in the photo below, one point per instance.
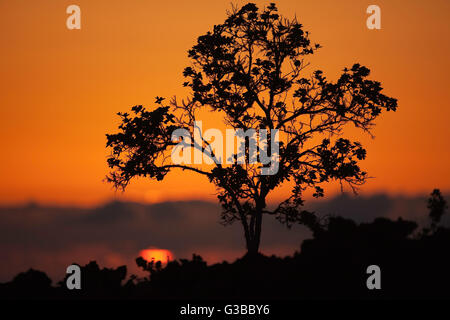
[{"x": 155, "y": 254}]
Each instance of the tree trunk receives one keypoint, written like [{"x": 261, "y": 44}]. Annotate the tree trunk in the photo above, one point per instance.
[
  {"x": 254, "y": 235},
  {"x": 252, "y": 248}
]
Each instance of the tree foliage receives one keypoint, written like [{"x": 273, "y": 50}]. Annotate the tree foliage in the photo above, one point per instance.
[{"x": 251, "y": 70}]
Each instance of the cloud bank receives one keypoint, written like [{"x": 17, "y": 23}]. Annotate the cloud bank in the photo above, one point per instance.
[{"x": 51, "y": 238}]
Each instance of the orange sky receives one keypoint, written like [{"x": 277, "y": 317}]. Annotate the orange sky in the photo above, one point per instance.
[{"x": 61, "y": 89}]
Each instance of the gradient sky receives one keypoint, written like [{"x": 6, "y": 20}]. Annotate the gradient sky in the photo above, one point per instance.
[{"x": 61, "y": 89}]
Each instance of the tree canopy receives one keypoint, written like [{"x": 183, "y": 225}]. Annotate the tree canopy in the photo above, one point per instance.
[{"x": 251, "y": 70}]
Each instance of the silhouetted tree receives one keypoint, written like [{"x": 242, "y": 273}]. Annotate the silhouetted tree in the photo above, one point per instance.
[
  {"x": 437, "y": 206},
  {"x": 251, "y": 71}
]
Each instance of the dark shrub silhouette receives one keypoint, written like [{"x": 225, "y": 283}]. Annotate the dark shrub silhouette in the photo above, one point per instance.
[
  {"x": 96, "y": 282},
  {"x": 31, "y": 284}
]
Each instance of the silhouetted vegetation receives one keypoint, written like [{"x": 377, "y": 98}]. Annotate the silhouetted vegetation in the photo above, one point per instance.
[
  {"x": 414, "y": 263},
  {"x": 251, "y": 70}
]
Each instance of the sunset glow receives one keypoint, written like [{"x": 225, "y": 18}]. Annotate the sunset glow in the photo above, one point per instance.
[
  {"x": 61, "y": 90},
  {"x": 224, "y": 158},
  {"x": 156, "y": 255}
]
